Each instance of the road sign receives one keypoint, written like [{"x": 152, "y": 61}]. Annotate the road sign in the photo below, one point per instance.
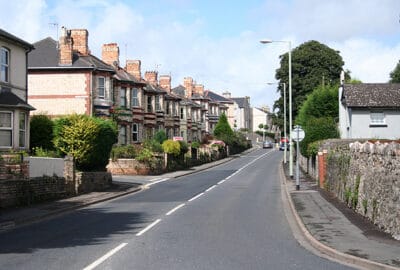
[{"x": 297, "y": 134}]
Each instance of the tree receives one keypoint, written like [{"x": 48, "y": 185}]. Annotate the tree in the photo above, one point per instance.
[
  {"x": 223, "y": 130},
  {"x": 395, "y": 74},
  {"x": 313, "y": 64},
  {"x": 41, "y": 132}
]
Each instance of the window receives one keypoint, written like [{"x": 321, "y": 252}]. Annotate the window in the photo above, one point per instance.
[
  {"x": 168, "y": 108},
  {"x": 122, "y": 95},
  {"x": 135, "y": 97},
  {"x": 149, "y": 105},
  {"x": 4, "y": 64},
  {"x": 174, "y": 109},
  {"x": 135, "y": 132},
  {"x": 377, "y": 118},
  {"x": 101, "y": 87},
  {"x": 157, "y": 101},
  {"x": 22, "y": 129},
  {"x": 122, "y": 135},
  {"x": 6, "y": 120},
  {"x": 182, "y": 113}
]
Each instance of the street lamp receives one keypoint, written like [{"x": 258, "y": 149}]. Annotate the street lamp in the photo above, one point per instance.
[
  {"x": 267, "y": 41},
  {"x": 284, "y": 120}
]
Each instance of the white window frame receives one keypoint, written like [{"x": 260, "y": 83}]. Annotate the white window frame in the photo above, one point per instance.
[
  {"x": 10, "y": 129},
  {"x": 122, "y": 135},
  {"x": 122, "y": 97},
  {"x": 135, "y": 132},
  {"x": 377, "y": 118},
  {"x": 135, "y": 97},
  {"x": 4, "y": 65},
  {"x": 157, "y": 103},
  {"x": 22, "y": 129},
  {"x": 101, "y": 95}
]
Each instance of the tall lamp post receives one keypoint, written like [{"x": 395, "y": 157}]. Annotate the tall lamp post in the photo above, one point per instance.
[
  {"x": 284, "y": 120},
  {"x": 267, "y": 41}
]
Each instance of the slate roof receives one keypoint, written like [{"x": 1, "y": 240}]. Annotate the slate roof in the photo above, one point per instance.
[
  {"x": 180, "y": 90},
  {"x": 46, "y": 56},
  {"x": 240, "y": 101},
  {"x": 217, "y": 98},
  {"x": 123, "y": 76},
  {"x": 372, "y": 95},
  {"x": 10, "y": 100},
  {"x": 13, "y": 39}
]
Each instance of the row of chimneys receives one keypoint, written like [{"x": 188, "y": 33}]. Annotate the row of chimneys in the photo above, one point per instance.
[{"x": 76, "y": 40}]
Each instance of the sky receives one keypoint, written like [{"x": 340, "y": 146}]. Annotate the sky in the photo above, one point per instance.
[{"x": 216, "y": 42}]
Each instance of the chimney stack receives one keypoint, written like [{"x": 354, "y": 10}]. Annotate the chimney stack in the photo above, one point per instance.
[
  {"x": 199, "y": 89},
  {"x": 133, "y": 67},
  {"x": 65, "y": 47},
  {"x": 188, "y": 84},
  {"x": 80, "y": 41},
  {"x": 151, "y": 77},
  {"x": 110, "y": 54},
  {"x": 227, "y": 94},
  {"x": 165, "y": 82}
]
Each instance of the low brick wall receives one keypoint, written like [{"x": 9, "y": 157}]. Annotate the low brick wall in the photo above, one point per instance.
[
  {"x": 25, "y": 192},
  {"x": 93, "y": 181},
  {"x": 366, "y": 176},
  {"x": 124, "y": 166}
]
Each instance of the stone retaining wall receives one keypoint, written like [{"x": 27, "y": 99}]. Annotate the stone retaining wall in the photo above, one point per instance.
[{"x": 366, "y": 176}]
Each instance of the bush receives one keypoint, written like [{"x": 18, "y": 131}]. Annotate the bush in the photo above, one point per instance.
[
  {"x": 40, "y": 152},
  {"x": 184, "y": 148},
  {"x": 160, "y": 136},
  {"x": 171, "y": 147},
  {"x": 153, "y": 145},
  {"x": 41, "y": 132},
  {"x": 123, "y": 151},
  {"x": 88, "y": 139}
]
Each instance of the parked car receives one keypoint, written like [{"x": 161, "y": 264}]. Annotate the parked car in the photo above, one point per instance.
[
  {"x": 282, "y": 146},
  {"x": 268, "y": 144}
]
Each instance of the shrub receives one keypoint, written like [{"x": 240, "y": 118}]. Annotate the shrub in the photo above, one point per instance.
[
  {"x": 41, "y": 152},
  {"x": 41, "y": 132},
  {"x": 184, "y": 148},
  {"x": 88, "y": 139},
  {"x": 160, "y": 136},
  {"x": 123, "y": 151},
  {"x": 171, "y": 147},
  {"x": 153, "y": 145},
  {"x": 195, "y": 144}
]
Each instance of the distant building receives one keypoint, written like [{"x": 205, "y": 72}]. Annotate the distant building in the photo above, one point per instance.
[{"x": 243, "y": 115}]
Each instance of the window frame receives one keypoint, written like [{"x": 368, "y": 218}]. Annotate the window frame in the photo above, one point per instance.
[
  {"x": 157, "y": 103},
  {"x": 103, "y": 96},
  {"x": 149, "y": 104},
  {"x": 122, "y": 136},
  {"x": 135, "y": 132},
  {"x": 123, "y": 102},
  {"x": 22, "y": 115},
  {"x": 10, "y": 129},
  {"x": 135, "y": 97},
  {"x": 5, "y": 65},
  {"x": 377, "y": 119}
]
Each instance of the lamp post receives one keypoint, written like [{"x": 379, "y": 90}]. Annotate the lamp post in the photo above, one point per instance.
[
  {"x": 266, "y": 41},
  {"x": 284, "y": 121}
]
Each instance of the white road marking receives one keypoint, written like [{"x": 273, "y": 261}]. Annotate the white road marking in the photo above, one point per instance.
[
  {"x": 176, "y": 208},
  {"x": 195, "y": 197},
  {"x": 210, "y": 188},
  {"x": 220, "y": 182},
  {"x": 148, "y": 227},
  {"x": 105, "y": 257},
  {"x": 156, "y": 182}
]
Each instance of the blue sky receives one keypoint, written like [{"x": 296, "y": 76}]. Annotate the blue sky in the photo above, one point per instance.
[{"x": 217, "y": 42}]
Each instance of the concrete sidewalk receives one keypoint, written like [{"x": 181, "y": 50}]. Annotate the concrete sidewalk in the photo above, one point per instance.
[{"x": 335, "y": 230}]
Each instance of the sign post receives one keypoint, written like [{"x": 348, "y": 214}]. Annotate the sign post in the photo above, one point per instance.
[{"x": 298, "y": 136}]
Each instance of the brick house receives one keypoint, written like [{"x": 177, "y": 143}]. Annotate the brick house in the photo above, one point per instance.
[
  {"x": 14, "y": 107},
  {"x": 65, "y": 78}
]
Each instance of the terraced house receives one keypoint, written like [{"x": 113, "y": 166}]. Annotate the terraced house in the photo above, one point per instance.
[
  {"x": 14, "y": 107},
  {"x": 65, "y": 78}
]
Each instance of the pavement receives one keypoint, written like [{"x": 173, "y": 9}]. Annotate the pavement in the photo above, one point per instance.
[{"x": 327, "y": 225}]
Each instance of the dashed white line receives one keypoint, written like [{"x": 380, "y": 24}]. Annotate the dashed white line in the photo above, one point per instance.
[
  {"x": 176, "y": 208},
  {"x": 220, "y": 182},
  {"x": 105, "y": 257},
  {"x": 210, "y": 188},
  {"x": 197, "y": 196},
  {"x": 148, "y": 227}
]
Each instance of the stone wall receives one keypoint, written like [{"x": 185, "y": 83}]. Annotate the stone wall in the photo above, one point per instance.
[{"x": 366, "y": 176}]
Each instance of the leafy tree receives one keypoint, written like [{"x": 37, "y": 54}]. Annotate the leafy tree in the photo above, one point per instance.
[
  {"x": 318, "y": 129},
  {"x": 223, "y": 130},
  {"x": 313, "y": 64},
  {"x": 41, "y": 132},
  {"x": 88, "y": 139},
  {"x": 160, "y": 136},
  {"x": 322, "y": 102},
  {"x": 171, "y": 147},
  {"x": 395, "y": 74}
]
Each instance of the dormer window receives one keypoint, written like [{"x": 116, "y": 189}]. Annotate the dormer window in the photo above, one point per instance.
[{"x": 4, "y": 64}]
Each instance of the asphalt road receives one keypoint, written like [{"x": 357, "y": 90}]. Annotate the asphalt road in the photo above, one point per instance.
[{"x": 228, "y": 217}]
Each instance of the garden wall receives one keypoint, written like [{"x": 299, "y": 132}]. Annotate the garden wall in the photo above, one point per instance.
[{"x": 366, "y": 176}]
